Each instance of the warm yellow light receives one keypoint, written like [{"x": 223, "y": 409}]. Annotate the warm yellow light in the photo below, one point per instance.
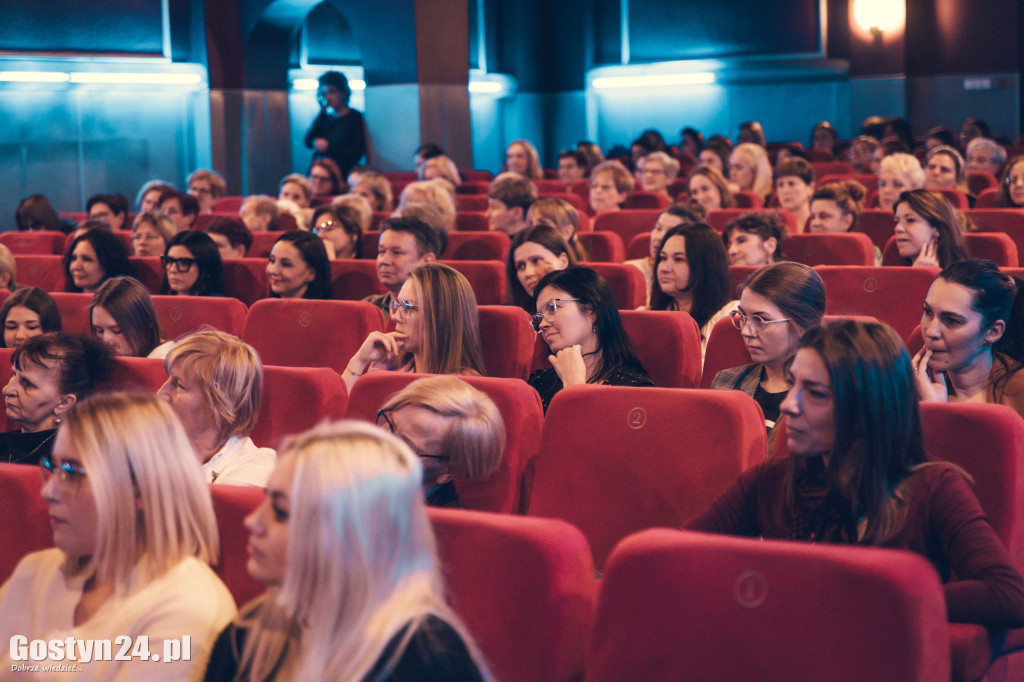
[{"x": 880, "y": 15}]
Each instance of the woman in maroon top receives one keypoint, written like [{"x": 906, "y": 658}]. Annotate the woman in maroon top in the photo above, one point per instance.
[{"x": 858, "y": 474}]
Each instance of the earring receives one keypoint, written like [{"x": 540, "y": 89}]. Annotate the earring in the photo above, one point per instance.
[
  {"x": 57, "y": 421},
  {"x": 594, "y": 328}
]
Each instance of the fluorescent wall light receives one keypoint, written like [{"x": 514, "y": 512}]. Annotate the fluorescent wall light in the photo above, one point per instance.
[
  {"x": 485, "y": 87},
  {"x": 34, "y": 77},
  {"x": 136, "y": 78},
  {"x": 654, "y": 80}
]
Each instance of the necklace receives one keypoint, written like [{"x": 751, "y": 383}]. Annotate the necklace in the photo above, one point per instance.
[{"x": 28, "y": 457}]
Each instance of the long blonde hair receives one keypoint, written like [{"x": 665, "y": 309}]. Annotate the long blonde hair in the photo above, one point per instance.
[
  {"x": 450, "y": 322},
  {"x": 361, "y": 564}
]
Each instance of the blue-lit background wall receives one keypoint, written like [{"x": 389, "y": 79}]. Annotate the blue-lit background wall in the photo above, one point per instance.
[{"x": 787, "y": 69}]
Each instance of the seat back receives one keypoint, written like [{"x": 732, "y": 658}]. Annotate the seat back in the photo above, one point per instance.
[
  {"x": 680, "y": 605},
  {"x": 507, "y": 340},
  {"x": 41, "y": 242},
  {"x": 627, "y": 283},
  {"x": 877, "y": 224},
  {"x": 523, "y": 587},
  {"x": 296, "y": 399},
  {"x": 262, "y": 243},
  {"x": 646, "y": 200},
  {"x": 1008, "y": 221},
  {"x": 627, "y": 223},
  {"x": 892, "y": 295},
  {"x": 989, "y": 198},
  {"x": 486, "y": 277},
  {"x": 845, "y": 248},
  {"x": 520, "y": 409},
  {"x": 28, "y": 520},
  {"x": 246, "y": 279},
  {"x": 128, "y": 374},
  {"x": 149, "y": 271},
  {"x": 604, "y": 247},
  {"x": 472, "y": 221},
  {"x": 181, "y": 315},
  {"x": 307, "y": 333},
  {"x": 354, "y": 279},
  {"x": 720, "y": 218},
  {"x": 40, "y": 270},
  {"x": 74, "y": 311},
  {"x": 994, "y": 246},
  {"x": 667, "y": 344},
  {"x": 615, "y": 460},
  {"x": 489, "y": 245},
  {"x": 231, "y": 504}
]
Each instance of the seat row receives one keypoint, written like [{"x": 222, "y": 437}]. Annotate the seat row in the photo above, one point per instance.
[{"x": 672, "y": 604}]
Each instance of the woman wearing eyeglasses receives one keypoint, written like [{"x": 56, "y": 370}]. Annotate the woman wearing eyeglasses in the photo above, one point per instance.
[
  {"x": 437, "y": 329},
  {"x": 338, "y": 227},
  {"x": 778, "y": 303},
  {"x": 123, "y": 318},
  {"x": 135, "y": 533},
  {"x": 51, "y": 372},
  {"x": 192, "y": 266},
  {"x": 150, "y": 234},
  {"x": 1011, "y": 189},
  {"x": 578, "y": 318},
  {"x": 455, "y": 430}
]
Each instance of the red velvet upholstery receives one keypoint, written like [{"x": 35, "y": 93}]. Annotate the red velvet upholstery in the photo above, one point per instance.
[
  {"x": 718, "y": 219},
  {"x": 74, "y": 311},
  {"x": 1005, "y": 220},
  {"x": 988, "y": 198},
  {"x": 296, "y": 399},
  {"x": 994, "y": 246},
  {"x": 471, "y": 202},
  {"x": 979, "y": 181},
  {"x": 368, "y": 245},
  {"x": 667, "y": 345},
  {"x": 262, "y": 243},
  {"x": 42, "y": 242},
  {"x": 627, "y": 282},
  {"x": 486, "y": 277},
  {"x": 246, "y": 279},
  {"x": 354, "y": 279},
  {"x": 489, "y": 245},
  {"x": 27, "y": 521},
  {"x": 627, "y": 223},
  {"x": 144, "y": 375},
  {"x": 639, "y": 246},
  {"x": 524, "y": 588},
  {"x": 484, "y": 175},
  {"x": 846, "y": 248},
  {"x": 867, "y": 180},
  {"x": 507, "y": 339},
  {"x": 956, "y": 198},
  {"x": 232, "y": 504},
  {"x": 40, "y": 270},
  {"x": 615, "y": 460},
  {"x": 183, "y": 314},
  {"x": 892, "y": 295},
  {"x": 228, "y": 204},
  {"x": 677, "y": 605},
  {"x": 647, "y": 200},
  {"x": 826, "y": 168},
  {"x": 377, "y": 217},
  {"x": 305, "y": 333},
  {"x": 877, "y": 224},
  {"x": 470, "y": 187},
  {"x": 604, "y": 247},
  {"x": 472, "y": 221},
  {"x": 520, "y": 409},
  {"x": 149, "y": 271},
  {"x": 748, "y": 200},
  {"x": 738, "y": 275},
  {"x": 548, "y": 186}
]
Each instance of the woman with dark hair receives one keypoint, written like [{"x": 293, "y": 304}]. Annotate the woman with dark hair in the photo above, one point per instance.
[
  {"x": 35, "y": 212},
  {"x": 824, "y": 137},
  {"x": 715, "y": 154},
  {"x": 26, "y": 313},
  {"x": 192, "y": 266},
  {"x": 1011, "y": 189},
  {"x": 534, "y": 252},
  {"x": 778, "y": 303},
  {"x": 111, "y": 209},
  {"x": 437, "y": 329},
  {"x": 578, "y": 318},
  {"x": 298, "y": 267},
  {"x": 94, "y": 257},
  {"x": 973, "y": 329},
  {"x": 325, "y": 178},
  {"x": 693, "y": 276},
  {"x": 709, "y": 188},
  {"x": 338, "y": 226},
  {"x": 667, "y": 219},
  {"x": 835, "y": 207},
  {"x": 929, "y": 231},
  {"x": 858, "y": 474},
  {"x": 51, "y": 373},
  {"x": 754, "y": 239},
  {"x": 338, "y": 132},
  {"x": 123, "y": 317}
]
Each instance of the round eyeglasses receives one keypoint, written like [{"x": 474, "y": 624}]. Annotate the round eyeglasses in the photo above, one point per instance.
[
  {"x": 757, "y": 323},
  {"x": 70, "y": 475},
  {"x": 547, "y": 312}
]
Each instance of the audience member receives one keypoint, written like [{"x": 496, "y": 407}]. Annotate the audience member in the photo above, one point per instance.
[
  {"x": 535, "y": 252},
  {"x": 985, "y": 156},
  {"x": 181, "y": 208},
  {"x": 709, "y": 189},
  {"x": 192, "y": 266},
  {"x": 667, "y": 219},
  {"x": 929, "y": 231},
  {"x": 123, "y": 318},
  {"x": 405, "y": 243},
  {"x": 754, "y": 239},
  {"x": 150, "y": 234},
  {"x": 572, "y": 167},
  {"x": 298, "y": 267},
  {"x": 296, "y": 189},
  {"x": 440, "y": 167},
  {"x": 337, "y": 133},
  {"x": 824, "y": 138},
  {"x": 898, "y": 173},
  {"x": 508, "y": 200},
  {"x": 436, "y": 192},
  {"x": 749, "y": 169},
  {"x": 338, "y": 227},
  {"x": 207, "y": 187},
  {"x": 1011, "y": 190},
  {"x": 8, "y": 270},
  {"x": 561, "y": 215},
  {"x": 231, "y": 236},
  {"x": 260, "y": 213},
  {"x": 794, "y": 185},
  {"x": 325, "y": 178},
  {"x": 111, "y": 209},
  {"x": 658, "y": 170},
  {"x": 148, "y": 198},
  {"x": 35, "y": 212},
  {"x": 610, "y": 186},
  {"x": 376, "y": 189},
  {"x": 93, "y": 258},
  {"x": 28, "y": 312},
  {"x": 521, "y": 158}
]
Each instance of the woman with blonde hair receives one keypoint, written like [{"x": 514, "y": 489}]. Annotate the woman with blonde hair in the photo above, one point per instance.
[
  {"x": 8, "y": 269},
  {"x": 521, "y": 157},
  {"x": 440, "y": 167},
  {"x": 215, "y": 385},
  {"x": 123, "y": 317},
  {"x": 455, "y": 430},
  {"x": 376, "y": 189},
  {"x": 343, "y": 542},
  {"x": 295, "y": 188},
  {"x": 750, "y": 170},
  {"x": 135, "y": 533},
  {"x": 437, "y": 329},
  {"x": 561, "y": 215},
  {"x": 709, "y": 188},
  {"x": 436, "y": 192},
  {"x": 898, "y": 173},
  {"x": 150, "y": 233},
  {"x": 361, "y": 206}
]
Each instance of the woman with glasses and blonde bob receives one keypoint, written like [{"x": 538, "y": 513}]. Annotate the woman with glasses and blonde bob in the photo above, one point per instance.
[
  {"x": 857, "y": 474},
  {"x": 578, "y": 318},
  {"x": 215, "y": 386},
  {"x": 135, "y": 533},
  {"x": 437, "y": 329},
  {"x": 150, "y": 234},
  {"x": 363, "y": 600},
  {"x": 778, "y": 303},
  {"x": 455, "y": 430}
]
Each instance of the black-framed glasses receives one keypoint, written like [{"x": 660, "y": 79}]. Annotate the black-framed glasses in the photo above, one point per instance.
[
  {"x": 547, "y": 312},
  {"x": 70, "y": 475},
  {"x": 403, "y": 305},
  {"x": 383, "y": 414},
  {"x": 177, "y": 264},
  {"x": 757, "y": 323}
]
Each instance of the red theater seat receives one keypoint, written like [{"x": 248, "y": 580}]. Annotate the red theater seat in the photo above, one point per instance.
[
  {"x": 246, "y": 279},
  {"x": 988, "y": 198},
  {"x": 231, "y": 504},
  {"x": 149, "y": 271},
  {"x": 74, "y": 311},
  {"x": 507, "y": 339},
  {"x": 1008, "y": 221},
  {"x": 603, "y": 247},
  {"x": 979, "y": 181},
  {"x": 847, "y": 248},
  {"x": 891, "y": 295},
  {"x": 572, "y": 198},
  {"x": 627, "y": 224},
  {"x": 471, "y": 202},
  {"x": 720, "y": 218},
  {"x": 748, "y": 200},
  {"x": 646, "y": 200},
  {"x": 42, "y": 242},
  {"x": 994, "y": 246},
  {"x": 677, "y": 605},
  {"x": 520, "y": 409},
  {"x": 615, "y": 460},
  {"x": 296, "y": 399},
  {"x": 180, "y": 315},
  {"x": 825, "y": 168},
  {"x": 27, "y": 528},
  {"x": 667, "y": 344},
  {"x": 877, "y": 224},
  {"x": 489, "y": 245},
  {"x": 487, "y": 278},
  {"x": 136, "y": 374},
  {"x": 306, "y": 333},
  {"x": 627, "y": 282},
  {"x": 524, "y": 588},
  {"x": 639, "y": 246},
  {"x": 262, "y": 243},
  {"x": 40, "y": 270},
  {"x": 229, "y": 204},
  {"x": 354, "y": 279},
  {"x": 471, "y": 221}
]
